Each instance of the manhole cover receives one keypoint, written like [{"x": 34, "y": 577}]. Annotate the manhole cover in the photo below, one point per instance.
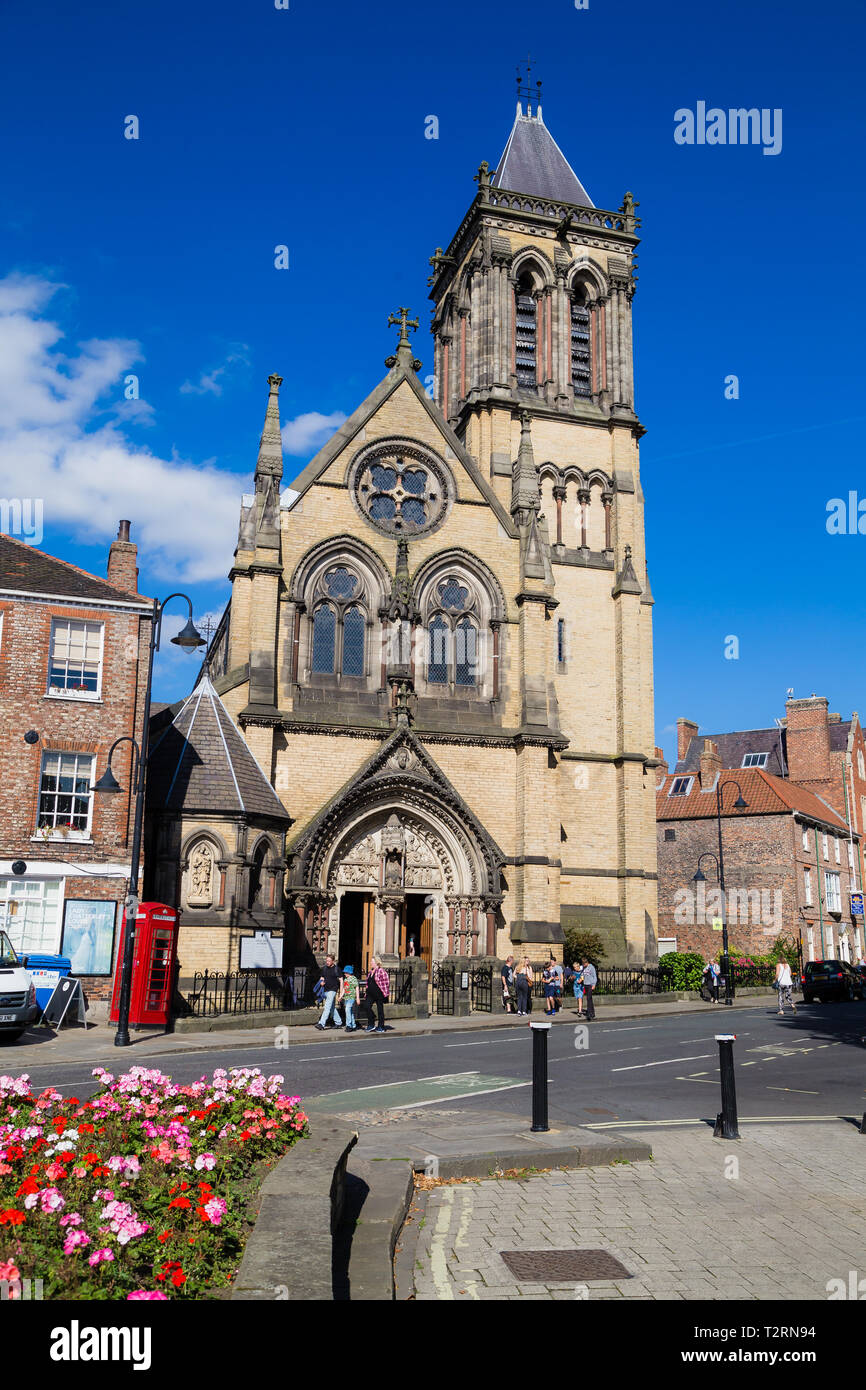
[{"x": 558, "y": 1266}]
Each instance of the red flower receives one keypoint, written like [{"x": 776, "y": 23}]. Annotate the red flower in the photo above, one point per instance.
[
  {"x": 29, "y": 1185},
  {"x": 11, "y": 1217},
  {"x": 205, "y": 1187},
  {"x": 100, "y": 1171},
  {"x": 14, "y": 1151},
  {"x": 180, "y": 1202},
  {"x": 165, "y": 1236},
  {"x": 67, "y": 1156},
  {"x": 178, "y": 1278},
  {"x": 73, "y": 1100},
  {"x": 90, "y": 1158},
  {"x": 246, "y": 1134},
  {"x": 87, "y": 1129}
]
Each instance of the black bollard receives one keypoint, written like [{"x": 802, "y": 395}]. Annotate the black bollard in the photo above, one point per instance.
[
  {"x": 726, "y": 1120},
  {"x": 539, "y": 1077}
]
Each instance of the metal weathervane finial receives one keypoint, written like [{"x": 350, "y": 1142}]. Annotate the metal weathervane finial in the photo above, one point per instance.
[{"x": 527, "y": 90}]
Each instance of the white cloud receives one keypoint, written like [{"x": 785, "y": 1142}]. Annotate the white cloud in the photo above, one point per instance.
[
  {"x": 56, "y": 443},
  {"x": 308, "y": 432},
  {"x": 209, "y": 383}
]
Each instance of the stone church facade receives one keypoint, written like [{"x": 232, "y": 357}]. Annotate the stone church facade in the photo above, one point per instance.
[{"x": 439, "y": 642}]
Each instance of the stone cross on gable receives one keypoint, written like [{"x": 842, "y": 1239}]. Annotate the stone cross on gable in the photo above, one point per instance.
[{"x": 402, "y": 317}]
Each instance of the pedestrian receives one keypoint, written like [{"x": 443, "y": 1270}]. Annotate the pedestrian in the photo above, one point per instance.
[
  {"x": 508, "y": 985},
  {"x": 784, "y": 984},
  {"x": 715, "y": 979},
  {"x": 549, "y": 981},
  {"x": 523, "y": 979},
  {"x": 330, "y": 983},
  {"x": 349, "y": 997},
  {"x": 709, "y": 982},
  {"x": 590, "y": 980},
  {"x": 578, "y": 987},
  {"x": 556, "y": 973},
  {"x": 378, "y": 989}
]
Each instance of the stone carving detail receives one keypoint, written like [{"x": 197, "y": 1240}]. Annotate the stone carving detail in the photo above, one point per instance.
[
  {"x": 392, "y": 848},
  {"x": 200, "y": 891},
  {"x": 422, "y": 866},
  {"x": 359, "y": 867}
]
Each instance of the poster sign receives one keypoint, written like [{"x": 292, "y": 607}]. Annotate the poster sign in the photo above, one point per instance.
[
  {"x": 261, "y": 951},
  {"x": 88, "y": 936},
  {"x": 67, "y": 1002},
  {"x": 856, "y": 904},
  {"x": 718, "y": 924}
]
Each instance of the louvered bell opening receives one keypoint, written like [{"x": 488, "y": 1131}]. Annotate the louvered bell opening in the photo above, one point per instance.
[
  {"x": 581, "y": 370},
  {"x": 525, "y": 339}
]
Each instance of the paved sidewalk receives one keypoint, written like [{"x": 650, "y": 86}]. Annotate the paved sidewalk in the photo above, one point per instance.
[
  {"x": 39, "y": 1047},
  {"x": 775, "y": 1215}
]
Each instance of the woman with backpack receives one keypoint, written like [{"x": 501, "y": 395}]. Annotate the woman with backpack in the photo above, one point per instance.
[
  {"x": 378, "y": 989},
  {"x": 523, "y": 978}
]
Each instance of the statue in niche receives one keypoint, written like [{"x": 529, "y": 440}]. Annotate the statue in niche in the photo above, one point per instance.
[
  {"x": 393, "y": 843},
  {"x": 201, "y": 875}
]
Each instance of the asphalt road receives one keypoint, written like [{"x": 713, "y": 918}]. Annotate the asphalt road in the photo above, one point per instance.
[{"x": 605, "y": 1074}]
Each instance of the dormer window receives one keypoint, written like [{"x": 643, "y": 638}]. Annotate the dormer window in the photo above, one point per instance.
[
  {"x": 755, "y": 759},
  {"x": 681, "y": 786}
]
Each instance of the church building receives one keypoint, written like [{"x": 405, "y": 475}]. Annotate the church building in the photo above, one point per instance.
[{"x": 438, "y": 647}]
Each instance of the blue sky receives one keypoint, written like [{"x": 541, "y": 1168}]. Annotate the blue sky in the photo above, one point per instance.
[{"x": 305, "y": 127}]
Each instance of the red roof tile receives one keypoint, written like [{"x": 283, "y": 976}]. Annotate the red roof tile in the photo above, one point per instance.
[{"x": 765, "y": 794}]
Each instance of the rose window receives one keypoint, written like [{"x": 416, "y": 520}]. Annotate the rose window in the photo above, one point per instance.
[{"x": 403, "y": 491}]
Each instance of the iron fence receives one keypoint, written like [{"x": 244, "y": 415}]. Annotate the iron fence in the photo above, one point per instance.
[
  {"x": 442, "y": 987},
  {"x": 240, "y": 992},
  {"x": 481, "y": 988}
]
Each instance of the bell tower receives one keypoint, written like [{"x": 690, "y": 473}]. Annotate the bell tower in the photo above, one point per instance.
[{"x": 534, "y": 372}]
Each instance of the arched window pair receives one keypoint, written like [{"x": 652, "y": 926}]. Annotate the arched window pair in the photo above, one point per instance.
[
  {"x": 453, "y": 655},
  {"x": 526, "y": 337},
  {"x": 339, "y": 626}
]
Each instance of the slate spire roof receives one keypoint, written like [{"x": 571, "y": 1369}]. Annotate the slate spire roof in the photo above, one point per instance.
[
  {"x": 202, "y": 763},
  {"x": 532, "y": 162}
]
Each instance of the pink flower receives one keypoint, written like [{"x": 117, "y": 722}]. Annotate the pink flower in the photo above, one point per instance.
[
  {"x": 9, "y": 1271},
  {"x": 207, "y": 1161},
  {"x": 74, "y": 1240},
  {"x": 99, "y": 1255},
  {"x": 147, "y": 1294},
  {"x": 216, "y": 1210},
  {"x": 72, "y": 1218}
]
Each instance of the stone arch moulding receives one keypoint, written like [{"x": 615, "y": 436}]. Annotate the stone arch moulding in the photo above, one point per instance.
[
  {"x": 205, "y": 833},
  {"x": 534, "y": 261},
  {"x": 330, "y": 552},
  {"x": 458, "y": 559},
  {"x": 401, "y": 778},
  {"x": 589, "y": 273}
]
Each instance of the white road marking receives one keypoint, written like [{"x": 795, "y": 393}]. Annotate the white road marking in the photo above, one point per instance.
[
  {"x": 442, "y": 1100},
  {"x": 698, "y": 1079},
  {"x": 750, "y": 1120},
  {"x": 794, "y": 1089},
  {"x": 668, "y": 1061},
  {"x": 493, "y": 1042}
]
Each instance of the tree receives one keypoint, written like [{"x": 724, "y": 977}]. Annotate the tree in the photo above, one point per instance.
[{"x": 582, "y": 943}]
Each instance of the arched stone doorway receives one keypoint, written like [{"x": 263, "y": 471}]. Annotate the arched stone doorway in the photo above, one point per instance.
[{"x": 398, "y": 855}]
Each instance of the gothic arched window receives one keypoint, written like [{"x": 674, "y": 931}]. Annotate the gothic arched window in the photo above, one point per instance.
[
  {"x": 453, "y": 655},
  {"x": 354, "y": 633},
  {"x": 581, "y": 343},
  {"x": 526, "y": 334},
  {"x": 324, "y": 638}
]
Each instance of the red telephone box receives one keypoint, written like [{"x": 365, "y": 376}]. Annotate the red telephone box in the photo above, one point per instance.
[{"x": 156, "y": 927}]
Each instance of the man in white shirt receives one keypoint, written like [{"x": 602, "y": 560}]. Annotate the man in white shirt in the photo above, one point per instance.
[{"x": 590, "y": 980}]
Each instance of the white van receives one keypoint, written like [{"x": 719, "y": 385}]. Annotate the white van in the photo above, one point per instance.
[{"x": 18, "y": 1005}]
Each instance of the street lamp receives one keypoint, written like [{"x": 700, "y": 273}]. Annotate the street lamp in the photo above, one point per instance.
[
  {"x": 189, "y": 639},
  {"x": 739, "y": 805}
]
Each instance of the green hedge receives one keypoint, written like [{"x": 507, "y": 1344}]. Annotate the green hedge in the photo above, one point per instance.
[{"x": 681, "y": 970}]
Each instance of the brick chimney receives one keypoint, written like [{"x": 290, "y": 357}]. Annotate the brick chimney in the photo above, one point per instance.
[
  {"x": 662, "y": 769},
  {"x": 122, "y": 569},
  {"x": 711, "y": 764},
  {"x": 808, "y": 739},
  {"x": 686, "y": 731}
]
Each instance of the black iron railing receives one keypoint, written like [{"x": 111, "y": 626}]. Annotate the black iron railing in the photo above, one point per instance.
[
  {"x": 259, "y": 991},
  {"x": 481, "y": 988},
  {"x": 442, "y": 987}
]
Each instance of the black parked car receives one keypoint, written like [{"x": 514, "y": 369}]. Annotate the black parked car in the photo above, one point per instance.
[{"x": 831, "y": 979}]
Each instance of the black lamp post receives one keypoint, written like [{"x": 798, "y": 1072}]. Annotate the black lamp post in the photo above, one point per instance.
[
  {"x": 739, "y": 805},
  {"x": 189, "y": 639}
]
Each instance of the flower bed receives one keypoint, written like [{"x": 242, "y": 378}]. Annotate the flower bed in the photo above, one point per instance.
[{"x": 140, "y": 1192}]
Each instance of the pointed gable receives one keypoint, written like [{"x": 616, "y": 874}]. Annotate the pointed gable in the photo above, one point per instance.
[{"x": 202, "y": 763}]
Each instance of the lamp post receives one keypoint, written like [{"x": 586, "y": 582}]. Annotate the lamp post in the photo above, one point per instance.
[
  {"x": 189, "y": 639},
  {"x": 739, "y": 805}
]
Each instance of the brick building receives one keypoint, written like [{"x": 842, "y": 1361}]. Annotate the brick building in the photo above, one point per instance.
[
  {"x": 73, "y": 663},
  {"x": 791, "y": 858},
  {"x": 439, "y": 645}
]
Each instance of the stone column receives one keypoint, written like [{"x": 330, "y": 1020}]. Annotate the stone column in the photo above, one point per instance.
[
  {"x": 584, "y": 498},
  {"x": 607, "y": 499},
  {"x": 490, "y": 913},
  {"x": 559, "y": 495},
  {"x": 451, "y": 904}
]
